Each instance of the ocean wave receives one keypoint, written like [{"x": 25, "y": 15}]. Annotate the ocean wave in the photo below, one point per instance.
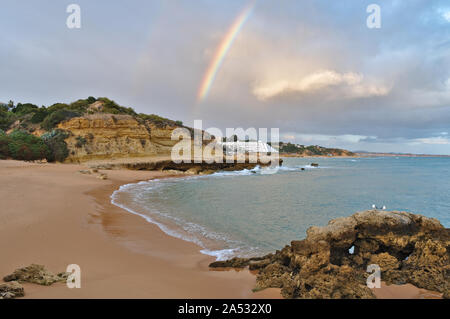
[
  {"x": 244, "y": 172},
  {"x": 161, "y": 226},
  {"x": 262, "y": 171},
  {"x": 222, "y": 254},
  {"x": 187, "y": 231}
]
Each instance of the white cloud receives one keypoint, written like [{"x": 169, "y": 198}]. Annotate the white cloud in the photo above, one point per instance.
[
  {"x": 326, "y": 139},
  {"x": 348, "y": 85},
  {"x": 446, "y": 15},
  {"x": 439, "y": 140}
]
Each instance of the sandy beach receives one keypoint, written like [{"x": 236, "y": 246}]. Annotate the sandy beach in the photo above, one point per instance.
[{"x": 53, "y": 215}]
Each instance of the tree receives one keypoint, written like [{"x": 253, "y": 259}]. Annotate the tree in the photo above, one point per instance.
[
  {"x": 25, "y": 146},
  {"x": 56, "y": 144},
  {"x": 91, "y": 99},
  {"x": 4, "y": 145},
  {"x": 57, "y": 117}
]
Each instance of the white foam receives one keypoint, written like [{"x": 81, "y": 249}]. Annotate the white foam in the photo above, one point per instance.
[
  {"x": 190, "y": 229},
  {"x": 222, "y": 254},
  {"x": 161, "y": 226},
  {"x": 244, "y": 172}
]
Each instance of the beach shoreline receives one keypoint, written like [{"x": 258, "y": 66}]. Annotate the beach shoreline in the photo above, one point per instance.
[
  {"x": 120, "y": 255},
  {"x": 55, "y": 216}
]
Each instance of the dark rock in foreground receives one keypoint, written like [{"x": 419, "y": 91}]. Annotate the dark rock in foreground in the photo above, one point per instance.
[
  {"x": 11, "y": 290},
  {"x": 408, "y": 248},
  {"x": 36, "y": 274}
]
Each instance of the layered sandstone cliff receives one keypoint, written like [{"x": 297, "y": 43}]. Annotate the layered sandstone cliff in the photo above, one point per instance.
[{"x": 104, "y": 136}]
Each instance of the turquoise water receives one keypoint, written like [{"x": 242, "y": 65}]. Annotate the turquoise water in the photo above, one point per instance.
[{"x": 249, "y": 213}]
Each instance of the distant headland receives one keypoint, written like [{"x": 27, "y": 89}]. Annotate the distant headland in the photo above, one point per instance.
[{"x": 298, "y": 150}]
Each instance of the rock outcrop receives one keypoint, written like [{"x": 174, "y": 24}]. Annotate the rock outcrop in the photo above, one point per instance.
[
  {"x": 166, "y": 164},
  {"x": 36, "y": 274},
  {"x": 11, "y": 290},
  {"x": 332, "y": 261},
  {"x": 103, "y": 136},
  {"x": 110, "y": 137}
]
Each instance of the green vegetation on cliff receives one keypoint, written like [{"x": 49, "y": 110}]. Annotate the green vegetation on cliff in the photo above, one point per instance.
[
  {"x": 58, "y": 150},
  {"x": 21, "y": 145},
  {"x": 312, "y": 150},
  {"x": 30, "y": 117},
  {"x": 29, "y": 132}
]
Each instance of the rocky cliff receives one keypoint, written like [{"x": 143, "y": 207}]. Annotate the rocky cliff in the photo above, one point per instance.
[
  {"x": 332, "y": 261},
  {"x": 95, "y": 129},
  {"x": 100, "y": 136}
]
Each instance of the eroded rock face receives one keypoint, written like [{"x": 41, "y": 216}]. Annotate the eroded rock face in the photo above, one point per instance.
[
  {"x": 100, "y": 136},
  {"x": 408, "y": 248},
  {"x": 11, "y": 290},
  {"x": 35, "y": 274}
]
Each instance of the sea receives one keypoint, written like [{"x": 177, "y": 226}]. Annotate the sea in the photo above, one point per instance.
[{"x": 250, "y": 212}]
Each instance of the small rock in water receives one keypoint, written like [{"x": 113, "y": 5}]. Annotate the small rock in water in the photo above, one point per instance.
[{"x": 314, "y": 165}]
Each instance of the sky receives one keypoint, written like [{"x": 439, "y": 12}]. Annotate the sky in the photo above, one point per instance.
[{"x": 313, "y": 69}]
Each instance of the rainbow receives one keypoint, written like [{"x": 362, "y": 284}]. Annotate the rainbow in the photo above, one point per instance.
[{"x": 222, "y": 51}]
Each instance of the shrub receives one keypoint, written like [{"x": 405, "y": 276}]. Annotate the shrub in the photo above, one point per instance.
[
  {"x": 158, "y": 120},
  {"x": 25, "y": 146},
  {"x": 6, "y": 119},
  {"x": 91, "y": 99},
  {"x": 79, "y": 106},
  {"x": 57, "y": 106},
  {"x": 22, "y": 109},
  {"x": 56, "y": 144},
  {"x": 4, "y": 145},
  {"x": 57, "y": 117},
  {"x": 80, "y": 141},
  {"x": 39, "y": 116},
  {"x": 112, "y": 107}
]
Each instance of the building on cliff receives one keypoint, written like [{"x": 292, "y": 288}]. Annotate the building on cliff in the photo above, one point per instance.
[{"x": 245, "y": 147}]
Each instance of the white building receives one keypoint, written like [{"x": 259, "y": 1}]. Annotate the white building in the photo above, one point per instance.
[{"x": 247, "y": 147}]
